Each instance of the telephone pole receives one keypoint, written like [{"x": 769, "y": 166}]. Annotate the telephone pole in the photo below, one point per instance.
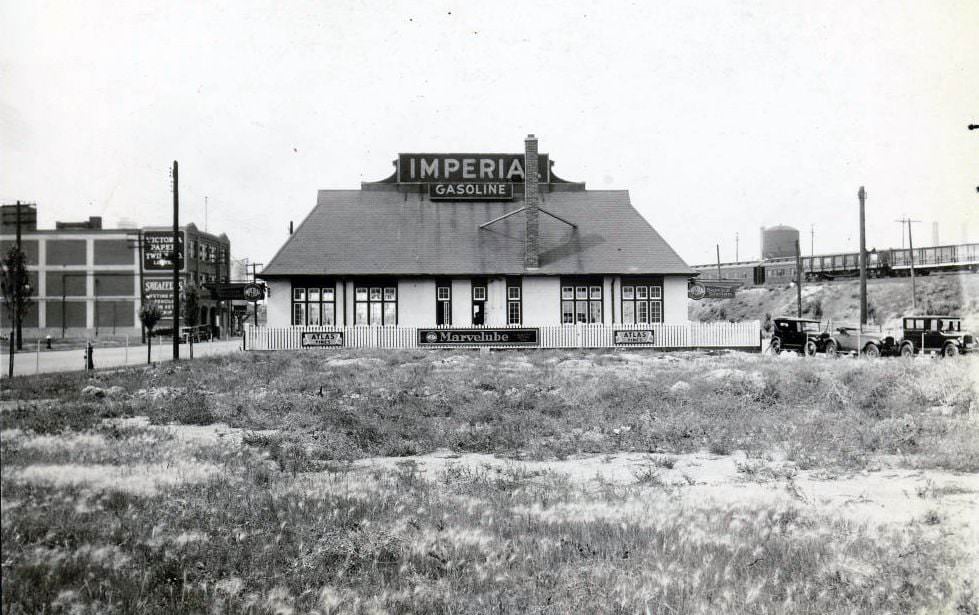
[
  {"x": 718, "y": 246},
  {"x": 812, "y": 240},
  {"x": 909, "y": 222},
  {"x": 18, "y": 298},
  {"x": 736, "y": 256},
  {"x": 862, "y": 195},
  {"x": 176, "y": 265},
  {"x": 798, "y": 279},
  {"x": 255, "y": 266}
]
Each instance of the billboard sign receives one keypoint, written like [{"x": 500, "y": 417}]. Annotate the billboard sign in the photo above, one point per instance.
[
  {"x": 253, "y": 292},
  {"x": 624, "y": 337},
  {"x": 479, "y": 337},
  {"x": 160, "y": 292},
  {"x": 158, "y": 251},
  {"x": 706, "y": 290},
  {"x": 320, "y": 339},
  {"x": 467, "y": 168}
]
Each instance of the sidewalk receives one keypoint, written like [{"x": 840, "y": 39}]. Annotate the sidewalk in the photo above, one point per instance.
[{"x": 28, "y": 363}]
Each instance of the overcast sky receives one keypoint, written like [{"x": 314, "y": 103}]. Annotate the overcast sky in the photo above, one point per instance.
[{"x": 718, "y": 117}]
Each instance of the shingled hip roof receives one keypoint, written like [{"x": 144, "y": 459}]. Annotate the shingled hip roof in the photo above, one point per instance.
[{"x": 361, "y": 232}]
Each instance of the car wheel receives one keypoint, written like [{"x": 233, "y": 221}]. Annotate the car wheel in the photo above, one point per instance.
[
  {"x": 950, "y": 350},
  {"x": 776, "y": 345},
  {"x": 907, "y": 351},
  {"x": 810, "y": 348},
  {"x": 871, "y": 351},
  {"x": 831, "y": 349}
]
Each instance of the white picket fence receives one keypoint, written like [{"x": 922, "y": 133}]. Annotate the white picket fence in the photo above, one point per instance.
[{"x": 743, "y": 335}]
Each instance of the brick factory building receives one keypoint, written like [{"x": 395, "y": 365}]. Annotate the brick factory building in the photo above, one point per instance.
[
  {"x": 462, "y": 240},
  {"x": 86, "y": 279}
]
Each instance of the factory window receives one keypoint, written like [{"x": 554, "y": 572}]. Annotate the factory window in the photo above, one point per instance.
[
  {"x": 581, "y": 301},
  {"x": 443, "y": 303},
  {"x": 376, "y": 304},
  {"x": 514, "y": 307},
  {"x": 642, "y": 302},
  {"x": 313, "y": 305}
]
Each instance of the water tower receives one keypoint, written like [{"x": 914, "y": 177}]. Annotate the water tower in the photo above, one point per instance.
[{"x": 778, "y": 241}]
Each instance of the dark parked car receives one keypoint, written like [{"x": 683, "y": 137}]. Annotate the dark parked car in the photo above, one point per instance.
[
  {"x": 851, "y": 340},
  {"x": 941, "y": 334},
  {"x": 802, "y": 335}
]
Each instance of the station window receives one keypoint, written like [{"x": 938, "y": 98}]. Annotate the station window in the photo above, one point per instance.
[
  {"x": 313, "y": 305},
  {"x": 514, "y": 301},
  {"x": 581, "y": 301},
  {"x": 443, "y": 303},
  {"x": 376, "y": 305},
  {"x": 479, "y": 302},
  {"x": 642, "y": 302}
]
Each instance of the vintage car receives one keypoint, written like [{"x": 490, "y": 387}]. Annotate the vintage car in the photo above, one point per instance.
[
  {"x": 851, "y": 340},
  {"x": 937, "y": 334},
  {"x": 802, "y": 335}
]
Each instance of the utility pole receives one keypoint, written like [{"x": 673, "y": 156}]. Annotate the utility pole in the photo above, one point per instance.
[
  {"x": 812, "y": 240},
  {"x": 862, "y": 195},
  {"x": 798, "y": 280},
  {"x": 909, "y": 222},
  {"x": 736, "y": 239},
  {"x": 254, "y": 266},
  {"x": 718, "y": 246},
  {"x": 175, "y": 260},
  {"x": 17, "y": 295}
]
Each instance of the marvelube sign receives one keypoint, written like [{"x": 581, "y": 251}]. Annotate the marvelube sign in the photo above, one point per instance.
[
  {"x": 479, "y": 337},
  {"x": 484, "y": 191},
  {"x": 320, "y": 339},
  {"x": 467, "y": 168},
  {"x": 634, "y": 336},
  {"x": 158, "y": 250}
]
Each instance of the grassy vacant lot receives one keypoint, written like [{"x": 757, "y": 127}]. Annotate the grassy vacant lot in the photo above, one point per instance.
[{"x": 276, "y": 510}]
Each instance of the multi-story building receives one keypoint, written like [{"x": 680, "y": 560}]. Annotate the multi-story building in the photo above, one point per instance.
[{"x": 86, "y": 280}]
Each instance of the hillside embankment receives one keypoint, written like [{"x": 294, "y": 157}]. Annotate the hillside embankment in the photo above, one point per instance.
[{"x": 887, "y": 298}]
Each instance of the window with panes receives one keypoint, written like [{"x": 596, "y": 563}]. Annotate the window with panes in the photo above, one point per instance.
[
  {"x": 479, "y": 301},
  {"x": 376, "y": 303},
  {"x": 642, "y": 301},
  {"x": 514, "y": 301},
  {"x": 313, "y": 303},
  {"x": 581, "y": 301},
  {"x": 443, "y": 302}
]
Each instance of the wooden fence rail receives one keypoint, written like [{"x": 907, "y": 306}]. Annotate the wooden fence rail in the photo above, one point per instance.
[{"x": 740, "y": 335}]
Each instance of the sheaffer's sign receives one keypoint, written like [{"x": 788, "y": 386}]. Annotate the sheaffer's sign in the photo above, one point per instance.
[
  {"x": 320, "y": 339},
  {"x": 479, "y": 337},
  {"x": 634, "y": 336},
  {"x": 467, "y": 168},
  {"x": 477, "y": 191}
]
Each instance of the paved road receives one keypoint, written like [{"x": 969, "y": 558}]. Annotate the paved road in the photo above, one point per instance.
[{"x": 27, "y": 363}]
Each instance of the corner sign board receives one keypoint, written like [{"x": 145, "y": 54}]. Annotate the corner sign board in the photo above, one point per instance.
[
  {"x": 253, "y": 292},
  {"x": 321, "y": 339},
  {"x": 479, "y": 337},
  {"x": 625, "y": 337},
  {"x": 696, "y": 291}
]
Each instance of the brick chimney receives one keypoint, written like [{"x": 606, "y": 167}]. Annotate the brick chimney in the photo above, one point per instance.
[{"x": 531, "y": 198}]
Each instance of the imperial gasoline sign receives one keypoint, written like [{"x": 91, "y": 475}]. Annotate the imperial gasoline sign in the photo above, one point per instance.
[{"x": 467, "y": 168}]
